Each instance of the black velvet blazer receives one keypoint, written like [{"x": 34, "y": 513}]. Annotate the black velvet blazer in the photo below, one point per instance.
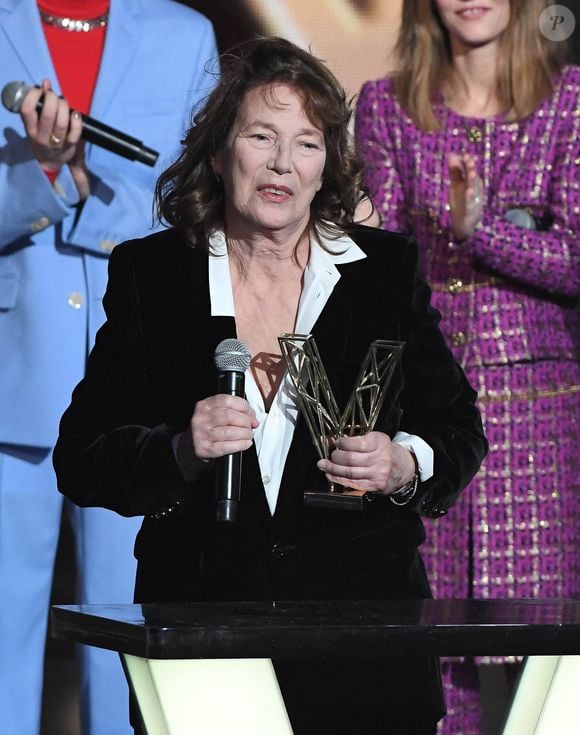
[{"x": 153, "y": 360}]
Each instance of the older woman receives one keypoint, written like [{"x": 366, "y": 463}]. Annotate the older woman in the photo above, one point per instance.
[{"x": 261, "y": 202}]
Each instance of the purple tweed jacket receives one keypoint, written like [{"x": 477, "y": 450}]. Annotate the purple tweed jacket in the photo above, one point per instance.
[
  {"x": 509, "y": 300},
  {"x": 506, "y": 294}
]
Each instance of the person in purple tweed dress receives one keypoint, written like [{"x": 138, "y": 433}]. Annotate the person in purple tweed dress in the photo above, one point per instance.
[{"x": 473, "y": 146}]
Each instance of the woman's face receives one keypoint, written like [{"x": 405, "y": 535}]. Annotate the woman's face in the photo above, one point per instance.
[
  {"x": 271, "y": 164},
  {"x": 473, "y": 23}
]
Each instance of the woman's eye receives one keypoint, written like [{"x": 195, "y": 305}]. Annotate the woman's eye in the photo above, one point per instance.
[{"x": 310, "y": 146}]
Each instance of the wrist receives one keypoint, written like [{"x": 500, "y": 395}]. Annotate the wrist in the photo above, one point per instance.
[
  {"x": 406, "y": 493},
  {"x": 190, "y": 465}
]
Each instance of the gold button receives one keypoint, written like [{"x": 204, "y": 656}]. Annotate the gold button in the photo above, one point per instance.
[
  {"x": 454, "y": 285},
  {"x": 458, "y": 339},
  {"x": 107, "y": 245},
  {"x": 75, "y": 299},
  {"x": 474, "y": 135},
  {"x": 40, "y": 224}
]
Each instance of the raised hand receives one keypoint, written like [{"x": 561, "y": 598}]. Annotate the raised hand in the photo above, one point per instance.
[{"x": 465, "y": 195}]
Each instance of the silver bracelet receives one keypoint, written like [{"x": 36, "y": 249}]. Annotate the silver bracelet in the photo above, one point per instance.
[{"x": 405, "y": 494}]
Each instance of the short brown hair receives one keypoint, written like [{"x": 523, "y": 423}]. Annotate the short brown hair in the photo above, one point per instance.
[
  {"x": 190, "y": 196},
  {"x": 528, "y": 61}
]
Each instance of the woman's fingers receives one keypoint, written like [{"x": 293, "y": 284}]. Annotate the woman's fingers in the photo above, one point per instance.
[
  {"x": 54, "y": 132},
  {"x": 61, "y": 125},
  {"x": 371, "y": 462},
  {"x": 360, "y": 461},
  {"x": 75, "y": 128},
  {"x": 222, "y": 425},
  {"x": 465, "y": 195}
]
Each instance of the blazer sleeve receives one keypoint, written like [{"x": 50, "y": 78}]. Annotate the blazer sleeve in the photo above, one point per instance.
[
  {"x": 378, "y": 136},
  {"x": 548, "y": 260},
  {"x": 111, "y": 451},
  {"x": 120, "y": 204}
]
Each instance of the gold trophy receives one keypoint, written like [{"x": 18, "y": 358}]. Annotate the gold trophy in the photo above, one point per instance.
[{"x": 318, "y": 406}]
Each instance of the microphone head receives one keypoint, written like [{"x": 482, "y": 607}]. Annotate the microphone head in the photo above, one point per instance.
[
  {"x": 521, "y": 218},
  {"x": 232, "y": 355},
  {"x": 13, "y": 94}
]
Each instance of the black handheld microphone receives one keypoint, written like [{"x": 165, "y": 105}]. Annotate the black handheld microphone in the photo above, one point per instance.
[
  {"x": 93, "y": 131},
  {"x": 232, "y": 359}
]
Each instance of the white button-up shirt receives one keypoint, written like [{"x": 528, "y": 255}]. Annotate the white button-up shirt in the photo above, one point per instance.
[{"x": 274, "y": 434}]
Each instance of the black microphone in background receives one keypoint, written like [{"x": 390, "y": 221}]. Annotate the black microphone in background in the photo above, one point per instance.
[
  {"x": 93, "y": 131},
  {"x": 232, "y": 359}
]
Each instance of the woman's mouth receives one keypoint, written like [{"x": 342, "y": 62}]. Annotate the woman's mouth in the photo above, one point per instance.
[
  {"x": 275, "y": 192},
  {"x": 471, "y": 13}
]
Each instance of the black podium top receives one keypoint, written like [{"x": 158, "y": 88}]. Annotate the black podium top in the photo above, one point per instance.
[{"x": 363, "y": 629}]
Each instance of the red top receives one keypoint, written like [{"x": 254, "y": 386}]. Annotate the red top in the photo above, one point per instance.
[{"x": 76, "y": 55}]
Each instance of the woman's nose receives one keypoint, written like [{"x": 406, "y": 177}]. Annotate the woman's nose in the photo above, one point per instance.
[{"x": 281, "y": 159}]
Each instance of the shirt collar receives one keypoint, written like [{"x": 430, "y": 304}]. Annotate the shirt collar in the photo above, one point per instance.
[{"x": 321, "y": 265}]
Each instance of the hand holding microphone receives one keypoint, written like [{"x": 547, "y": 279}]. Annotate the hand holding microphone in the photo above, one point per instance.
[
  {"x": 222, "y": 426},
  {"x": 53, "y": 130},
  {"x": 50, "y": 123},
  {"x": 232, "y": 359}
]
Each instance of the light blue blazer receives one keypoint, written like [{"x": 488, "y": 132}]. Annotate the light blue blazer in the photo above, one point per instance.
[{"x": 53, "y": 260}]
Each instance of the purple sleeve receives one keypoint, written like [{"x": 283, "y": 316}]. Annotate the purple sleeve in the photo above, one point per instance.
[
  {"x": 549, "y": 260},
  {"x": 378, "y": 136}
]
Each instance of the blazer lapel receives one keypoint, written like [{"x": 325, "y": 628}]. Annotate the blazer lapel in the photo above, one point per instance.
[
  {"x": 331, "y": 332},
  {"x": 121, "y": 41},
  {"x": 23, "y": 29}
]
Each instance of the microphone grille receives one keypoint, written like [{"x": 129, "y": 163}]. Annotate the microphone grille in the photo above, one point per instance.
[
  {"x": 232, "y": 355},
  {"x": 13, "y": 94}
]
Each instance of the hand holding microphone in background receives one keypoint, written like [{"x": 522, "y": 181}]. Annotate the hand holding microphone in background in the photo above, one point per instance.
[
  {"x": 466, "y": 200},
  {"x": 55, "y": 131},
  {"x": 54, "y": 134}
]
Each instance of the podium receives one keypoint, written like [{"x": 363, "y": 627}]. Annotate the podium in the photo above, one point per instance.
[{"x": 206, "y": 668}]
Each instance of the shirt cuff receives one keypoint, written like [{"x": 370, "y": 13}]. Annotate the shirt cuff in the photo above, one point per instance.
[{"x": 422, "y": 451}]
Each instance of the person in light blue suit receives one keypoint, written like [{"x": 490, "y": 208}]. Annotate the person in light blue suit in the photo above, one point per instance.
[{"x": 158, "y": 61}]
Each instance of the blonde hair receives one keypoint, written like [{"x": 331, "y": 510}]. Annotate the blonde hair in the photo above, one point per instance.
[{"x": 528, "y": 61}]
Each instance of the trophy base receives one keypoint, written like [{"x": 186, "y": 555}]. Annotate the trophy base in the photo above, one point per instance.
[{"x": 338, "y": 500}]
